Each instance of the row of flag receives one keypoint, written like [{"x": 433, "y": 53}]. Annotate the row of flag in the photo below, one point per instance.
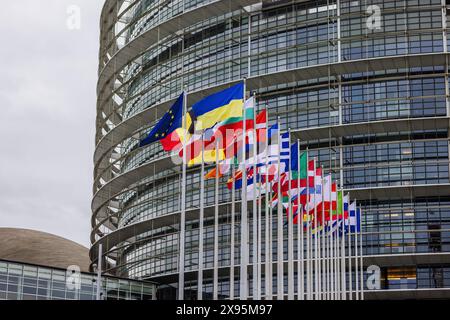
[{"x": 224, "y": 129}]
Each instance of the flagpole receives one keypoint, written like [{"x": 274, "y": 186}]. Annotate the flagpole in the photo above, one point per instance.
[
  {"x": 290, "y": 230},
  {"x": 350, "y": 252},
  {"x": 325, "y": 235},
  {"x": 183, "y": 206},
  {"x": 270, "y": 245},
  {"x": 343, "y": 264},
  {"x": 260, "y": 241},
  {"x": 255, "y": 209},
  {"x": 319, "y": 235},
  {"x": 336, "y": 248},
  {"x": 267, "y": 254},
  {"x": 266, "y": 240},
  {"x": 300, "y": 266},
  {"x": 316, "y": 249},
  {"x": 216, "y": 230},
  {"x": 331, "y": 231},
  {"x": 338, "y": 251},
  {"x": 244, "y": 213},
  {"x": 311, "y": 242},
  {"x": 280, "y": 258},
  {"x": 339, "y": 230},
  {"x": 260, "y": 194},
  {"x": 201, "y": 226},
  {"x": 233, "y": 212},
  {"x": 308, "y": 233},
  {"x": 361, "y": 254},
  {"x": 329, "y": 269},
  {"x": 308, "y": 256},
  {"x": 356, "y": 261},
  {"x": 259, "y": 249},
  {"x": 335, "y": 273},
  {"x": 330, "y": 238},
  {"x": 323, "y": 238},
  {"x": 266, "y": 248}
]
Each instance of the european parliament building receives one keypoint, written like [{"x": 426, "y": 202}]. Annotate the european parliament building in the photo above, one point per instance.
[{"x": 364, "y": 85}]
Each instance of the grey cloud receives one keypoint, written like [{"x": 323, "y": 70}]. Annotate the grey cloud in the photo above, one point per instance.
[{"x": 47, "y": 103}]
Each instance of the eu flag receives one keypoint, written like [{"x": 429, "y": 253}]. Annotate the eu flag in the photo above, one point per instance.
[{"x": 166, "y": 130}]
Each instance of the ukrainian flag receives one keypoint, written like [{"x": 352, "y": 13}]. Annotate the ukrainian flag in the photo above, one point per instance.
[{"x": 218, "y": 107}]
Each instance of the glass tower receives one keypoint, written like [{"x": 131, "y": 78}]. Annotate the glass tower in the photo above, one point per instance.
[{"x": 363, "y": 84}]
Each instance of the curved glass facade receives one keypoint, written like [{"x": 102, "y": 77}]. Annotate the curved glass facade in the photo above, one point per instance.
[
  {"x": 370, "y": 102},
  {"x": 19, "y": 281}
]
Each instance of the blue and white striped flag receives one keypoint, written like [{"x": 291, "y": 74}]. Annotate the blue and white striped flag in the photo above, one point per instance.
[{"x": 353, "y": 222}]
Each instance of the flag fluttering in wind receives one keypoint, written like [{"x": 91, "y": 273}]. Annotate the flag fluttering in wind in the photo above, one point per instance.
[
  {"x": 220, "y": 106},
  {"x": 223, "y": 133},
  {"x": 353, "y": 222},
  {"x": 169, "y": 130},
  {"x": 232, "y": 144}
]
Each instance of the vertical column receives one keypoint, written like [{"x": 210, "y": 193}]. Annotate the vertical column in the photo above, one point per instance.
[
  {"x": 444, "y": 44},
  {"x": 99, "y": 272},
  {"x": 249, "y": 49},
  {"x": 444, "y": 25},
  {"x": 447, "y": 99},
  {"x": 341, "y": 163},
  {"x": 338, "y": 13},
  {"x": 341, "y": 117}
]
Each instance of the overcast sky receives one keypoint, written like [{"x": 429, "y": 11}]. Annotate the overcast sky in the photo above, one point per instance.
[{"x": 47, "y": 111}]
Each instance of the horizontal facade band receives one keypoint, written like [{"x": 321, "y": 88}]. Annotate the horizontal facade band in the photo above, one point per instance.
[
  {"x": 357, "y": 129},
  {"x": 393, "y": 193},
  {"x": 407, "y": 259},
  {"x": 407, "y": 294},
  {"x": 114, "y": 238},
  {"x": 126, "y": 180},
  {"x": 372, "y": 127},
  {"x": 394, "y": 260},
  {"x": 140, "y": 44},
  {"x": 404, "y": 192}
]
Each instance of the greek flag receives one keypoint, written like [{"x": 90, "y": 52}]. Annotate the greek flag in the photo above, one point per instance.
[{"x": 353, "y": 222}]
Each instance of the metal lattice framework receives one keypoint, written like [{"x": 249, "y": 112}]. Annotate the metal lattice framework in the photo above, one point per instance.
[{"x": 142, "y": 69}]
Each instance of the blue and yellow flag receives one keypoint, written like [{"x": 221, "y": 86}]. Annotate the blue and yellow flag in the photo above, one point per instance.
[{"x": 228, "y": 103}]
